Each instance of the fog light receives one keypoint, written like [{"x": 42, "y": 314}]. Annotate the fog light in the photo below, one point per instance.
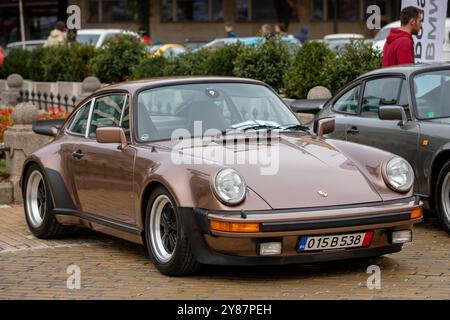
[
  {"x": 401, "y": 236},
  {"x": 269, "y": 248}
]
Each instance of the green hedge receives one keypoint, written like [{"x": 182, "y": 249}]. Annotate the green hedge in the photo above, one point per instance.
[
  {"x": 307, "y": 70},
  {"x": 115, "y": 61},
  {"x": 356, "y": 59},
  {"x": 293, "y": 71},
  {"x": 267, "y": 62}
]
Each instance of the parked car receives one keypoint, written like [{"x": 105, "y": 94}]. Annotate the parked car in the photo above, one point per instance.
[
  {"x": 141, "y": 160},
  {"x": 247, "y": 41},
  {"x": 97, "y": 37},
  {"x": 380, "y": 38},
  {"x": 338, "y": 41},
  {"x": 404, "y": 110},
  {"x": 29, "y": 45},
  {"x": 169, "y": 50}
]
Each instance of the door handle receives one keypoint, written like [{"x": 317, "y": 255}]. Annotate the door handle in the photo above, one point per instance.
[
  {"x": 353, "y": 130},
  {"x": 78, "y": 154}
]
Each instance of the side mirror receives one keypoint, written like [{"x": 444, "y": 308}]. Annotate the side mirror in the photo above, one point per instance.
[
  {"x": 47, "y": 127},
  {"x": 111, "y": 135},
  {"x": 324, "y": 126},
  {"x": 393, "y": 113}
]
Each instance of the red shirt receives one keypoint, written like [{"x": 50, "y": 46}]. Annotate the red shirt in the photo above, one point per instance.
[{"x": 398, "y": 49}]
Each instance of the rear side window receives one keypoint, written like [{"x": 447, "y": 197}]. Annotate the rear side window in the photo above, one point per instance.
[{"x": 80, "y": 120}]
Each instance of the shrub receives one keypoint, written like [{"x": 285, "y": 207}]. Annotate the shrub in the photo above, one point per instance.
[
  {"x": 115, "y": 61},
  {"x": 16, "y": 61},
  {"x": 266, "y": 62},
  {"x": 66, "y": 63},
  {"x": 356, "y": 59},
  {"x": 149, "y": 68},
  {"x": 6, "y": 120},
  {"x": 189, "y": 64},
  {"x": 35, "y": 64},
  {"x": 220, "y": 62},
  {"x": 307, "y": 70}
]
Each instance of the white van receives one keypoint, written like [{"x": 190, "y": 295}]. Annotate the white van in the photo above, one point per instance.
[{"x": 380, "y": 38}]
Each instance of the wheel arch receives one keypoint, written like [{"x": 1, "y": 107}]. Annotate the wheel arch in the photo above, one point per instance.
[{"x": 438, "y": 162}]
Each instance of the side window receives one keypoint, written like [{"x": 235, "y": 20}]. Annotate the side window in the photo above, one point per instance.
[
  {"x": 349, "y": 101},
  {"x": 106, "y": 113},
  {"x": 380, "y": 92},
  {"x": 80, "y": 120}
]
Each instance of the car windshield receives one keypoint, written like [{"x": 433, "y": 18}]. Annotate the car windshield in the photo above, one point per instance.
[
  {"x": 195, "y": 110},
  {"x": 432, "y": 94},
  {"x": 88, "y": 38}
]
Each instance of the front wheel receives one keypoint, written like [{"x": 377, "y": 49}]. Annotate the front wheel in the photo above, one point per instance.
[
  {"x": 166, "y": 238},
  {"x": 39, "y": 205},
  {"x": 442, "y": 195}
]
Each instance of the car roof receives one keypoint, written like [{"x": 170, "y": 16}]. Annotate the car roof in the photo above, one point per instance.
[
  {"x": 102, "y": 31},
  {"x": 135, "y": 85},
  {"x": 27, "y": 42},
  {"x": 338, "y": 36},
  {"x": 407, "y": 69}
]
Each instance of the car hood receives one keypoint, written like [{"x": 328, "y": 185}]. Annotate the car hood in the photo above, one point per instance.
[{"x": 291, "y": 171}]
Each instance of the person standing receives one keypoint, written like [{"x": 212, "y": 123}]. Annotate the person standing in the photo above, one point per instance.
[
  {"x": 266, "y": 31},
  {"x": 57, "y": 36},
  {"x": 399, "y": 46},
  {"x": 280, "y": 29},
  {"x": 229, "y": 30}
]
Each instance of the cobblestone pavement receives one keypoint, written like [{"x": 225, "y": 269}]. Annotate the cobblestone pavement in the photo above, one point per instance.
[{"x": 114, "y": 269}]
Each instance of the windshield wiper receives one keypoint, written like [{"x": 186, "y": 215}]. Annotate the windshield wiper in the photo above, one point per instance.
[
  {"x": 260, "y": 127},
  {"x": 294, "y": 127}
]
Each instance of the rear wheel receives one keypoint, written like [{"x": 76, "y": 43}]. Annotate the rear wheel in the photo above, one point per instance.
[
  {"x": 166, "y": 238},
  {"x": 442, "y": 195},
  {"x": 39, "y": 205}
]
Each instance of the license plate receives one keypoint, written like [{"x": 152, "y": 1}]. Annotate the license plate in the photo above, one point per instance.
[{"x": 331, "y": 242}]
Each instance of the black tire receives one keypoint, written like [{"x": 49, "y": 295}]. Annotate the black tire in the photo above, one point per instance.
[
  {"x": 49, "y": 228},
  {"x": 439, "y": 205},
  {"x": 182, "y": 261}
]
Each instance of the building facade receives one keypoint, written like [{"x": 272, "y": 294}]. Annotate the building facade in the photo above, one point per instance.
[{"x": 178, "y": 21}]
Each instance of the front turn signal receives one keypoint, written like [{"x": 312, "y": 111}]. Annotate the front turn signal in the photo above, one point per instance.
[
  {"x": 243, "y": 227},
  {"x": 416, "y": 213}
]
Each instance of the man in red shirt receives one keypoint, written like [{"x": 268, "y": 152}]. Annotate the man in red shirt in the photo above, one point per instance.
[{"x": 399, "y": 46}]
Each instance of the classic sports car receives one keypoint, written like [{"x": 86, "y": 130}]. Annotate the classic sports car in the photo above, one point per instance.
[
  {"x": 404, "y": 110},
  {"x": 216, "y": 171}
]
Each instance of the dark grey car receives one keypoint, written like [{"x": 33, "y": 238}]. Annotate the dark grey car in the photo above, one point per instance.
[{"x": 404, "y": 110}]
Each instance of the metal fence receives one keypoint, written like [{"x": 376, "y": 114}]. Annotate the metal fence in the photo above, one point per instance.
[{"x": 48, "y": 101}]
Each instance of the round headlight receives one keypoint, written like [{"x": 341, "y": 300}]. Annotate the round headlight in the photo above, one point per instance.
[
  {"x": 399, "y": 175},
  {"x": 230, "y": 186}
]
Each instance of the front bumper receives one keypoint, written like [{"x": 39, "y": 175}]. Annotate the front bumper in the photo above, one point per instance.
[{"x": 286, "y": 226}]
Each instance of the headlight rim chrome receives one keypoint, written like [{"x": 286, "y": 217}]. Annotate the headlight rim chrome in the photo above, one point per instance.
[
  {"x": 387, "y": 181},
  {"x": 217, "y": 193}
]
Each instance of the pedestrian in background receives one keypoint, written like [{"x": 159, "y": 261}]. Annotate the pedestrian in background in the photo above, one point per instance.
[
  {"x": 229, "y": 30},
  {"x": 266, "y": 31},
  {"x": 399, "y": 47},
  {"x": 280, "y": 29},
  {"x": 57, "y": 36}
]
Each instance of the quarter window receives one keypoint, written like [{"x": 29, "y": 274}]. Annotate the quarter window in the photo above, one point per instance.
[
  {"x": 80, "y": 120},
  {"x": 349, "y": 101},
  {"x": 106, "y": 113}
]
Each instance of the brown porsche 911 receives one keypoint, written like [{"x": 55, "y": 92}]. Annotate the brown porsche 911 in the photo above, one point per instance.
[{"x": 215, "y": 171}]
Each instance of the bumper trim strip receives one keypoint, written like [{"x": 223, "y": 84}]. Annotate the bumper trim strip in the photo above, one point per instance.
[{"x": 335, "y": 223}]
